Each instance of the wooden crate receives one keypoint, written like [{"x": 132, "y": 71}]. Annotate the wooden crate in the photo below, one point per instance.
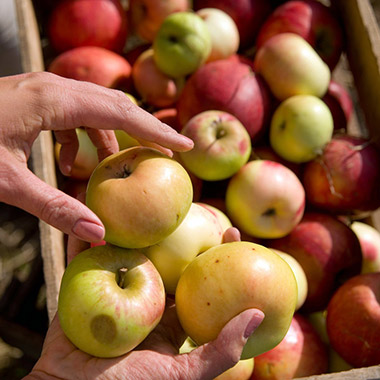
[{"x": 360, "y": 67}]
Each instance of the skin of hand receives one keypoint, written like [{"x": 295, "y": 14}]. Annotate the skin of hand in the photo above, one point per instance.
[
  {"x": 156, "y": 357},
  {"x": 35, "y": 102}
]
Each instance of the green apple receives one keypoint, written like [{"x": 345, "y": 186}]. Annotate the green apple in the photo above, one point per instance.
[
  {"x": 300, "y": 128},
  {"x": 229, "y": 278},
  {"x": 222, "y": 145},
  {"x": 110, "y": 299},
  {"x": 182, "y": 44},
  {"x": 141, "y": 196}
]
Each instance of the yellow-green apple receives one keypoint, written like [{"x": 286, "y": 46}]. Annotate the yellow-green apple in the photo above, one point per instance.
[
  {"x": 353, "y": 320},
  {"x": 299, "y": 274},
  {"x": 146, "y": 16},
  {"x": 300, "y": 128},
  {"x": 345, "y": 179},
  {"x": 110, "y": 299},
  {"x": 291, "y": 66},
  {"x": 301, "y": 353},
  {"x": 224, "y": 33},
  {"x": 222, "y": 145},
  {"x": 93, "y": 64},
  {"x": 182, "y": 44},
  {"x": 74, "y": 23},
  {"x": 224, "y": 220},
  {"x": 316, "y": 22},
  {"x": 328, "y": 251},
  {"x": 265, "y": 199},
  {"x": 199, "y": 231},
  {"x": 230, "y": 278},
  {"x": 168, "y": 116},
  {"x": 369, "y": 238},
  {"x": 153, "y": 86},
  {"x": 141, "y": 196},
  {"x": 228, "y": 85}
]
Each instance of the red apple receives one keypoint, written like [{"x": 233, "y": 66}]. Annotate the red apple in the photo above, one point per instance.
[
  {"x": 313, "y": 21},
  {"x": 228, "y": 85},
  {"x": 346, "y": 177},
  {"x": 93, "y": 64},
  {"x": 301, "y": 353},
  {"x": 353, "y": 320},
  {"x": 74, "y": 23},
  {"x": 328, "y": 251}
]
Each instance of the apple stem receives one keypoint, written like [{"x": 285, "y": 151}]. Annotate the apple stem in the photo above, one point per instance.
[
  {"x": 121, "y": 277},
  {"x": 220, "y": 133}
]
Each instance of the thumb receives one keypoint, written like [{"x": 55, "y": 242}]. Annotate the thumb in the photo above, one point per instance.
[{"x": 213, "y": 358}]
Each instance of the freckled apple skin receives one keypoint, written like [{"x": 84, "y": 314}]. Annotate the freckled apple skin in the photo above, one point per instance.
[
  {"x": 141, "y": 196},
  {"x": 100, "y": 317},
  {"x": 232, "y": 277}
]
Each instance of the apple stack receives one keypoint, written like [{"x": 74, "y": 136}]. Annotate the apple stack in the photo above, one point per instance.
[{"x": 252, "y": 84}]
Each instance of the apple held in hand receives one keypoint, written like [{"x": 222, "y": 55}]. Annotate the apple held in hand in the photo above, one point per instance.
[
  {"x": 182, "y": 44},
  {"x": 221, "y": 145},
  {"x": 110, "y": 299},
  {"x": 265, "y": 199},
  {"x": 232, "y": 277},
  {"x": 141, "y": 196},
  {"x": 291, "y": 67},
  {"x": 301, "y": 126}
]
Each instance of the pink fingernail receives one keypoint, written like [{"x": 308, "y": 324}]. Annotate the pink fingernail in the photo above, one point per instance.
[{"x": 89, "y": 231}]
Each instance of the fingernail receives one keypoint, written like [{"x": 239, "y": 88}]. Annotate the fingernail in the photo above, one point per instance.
[
  {"x": 254, "y": 323},
  {"x": 89, "y": 231}
]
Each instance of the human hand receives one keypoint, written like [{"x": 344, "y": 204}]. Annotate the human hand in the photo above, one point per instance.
[{"x": 31, "y": 103}]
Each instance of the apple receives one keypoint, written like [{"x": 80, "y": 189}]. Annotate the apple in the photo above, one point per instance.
[
  {"x": 328, "y": 251},
  {"x": 110, "y": 299},
  {"x": 168, "y": 116},
  {"x": 222, "y": 145},
  {"x": 224, "y": 33},
  {"x": 93, "y": 64},
  {"x": 74, "y": 23},
  {"x": 265, "y": 199},
  {"x": 369, "y": 238},
  {"x": 301, "y": 353},
  {"x": 299, "y": 274},
  {"x": 353, "y": 320},
  {"x": 316, "y": 22},
  {"x": 224, "y": 220},
  {"x": 232, "y": 277},
  {"x": 300, "y": 128},
  {"x": 290, "y": 66},
  {"x": 141, "y": 196},
  {"x": 199, "y": 231},
  {"x": 153, "y": 86},
  {"x": 228, "y": 85},
  {"x": 345, "y": 179},
  {"x": 182, "y": 44},
  {"x": 146, "y": 16}
]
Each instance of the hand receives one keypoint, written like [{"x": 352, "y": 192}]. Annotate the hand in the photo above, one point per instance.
[{"x": 31, "y": 103}]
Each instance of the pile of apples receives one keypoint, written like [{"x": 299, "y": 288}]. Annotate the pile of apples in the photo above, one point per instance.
[{"x": 250, "y": 82}]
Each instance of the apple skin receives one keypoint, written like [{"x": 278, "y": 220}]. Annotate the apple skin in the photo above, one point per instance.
[
  {"x": 265, "y": 199},
  {"x": 141, "y": 196},
  {"x": 98, "y": 315},
  {"x": 369, "y": 238},
  {"x": 93, "y": 64},
  {"x": 328, "y": 251},
  {"x": 345, "y": 179},
  {"x": 353, "y": 320},
  {"x": 312, "y": 20},
  {"x": 301, "y": 353},
  {"x": 199, "y": 231},
  {"x": 182, "y": 44},
  {"x": 300, "y": 128},
  {"x": 290, "y": 66},
  {"x": 228, "y": 85},
  {"x": 224, "y": 33},
  {"x": 74, "y": 23},
  {"x": 222, "y": 145},
  {"x": 224, "y": 220},
  {"x": 230, "y": 278}
]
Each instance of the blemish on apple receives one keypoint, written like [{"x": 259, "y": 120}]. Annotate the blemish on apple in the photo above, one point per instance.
[{"x": 103, "y": 328}]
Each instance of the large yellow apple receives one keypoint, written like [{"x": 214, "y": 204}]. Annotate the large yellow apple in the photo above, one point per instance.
[
  {"x": 141, "y": 196},
  {"x": 230, "y": 278}
]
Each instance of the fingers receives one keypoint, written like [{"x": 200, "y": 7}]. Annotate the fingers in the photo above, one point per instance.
[
  {"x": 231, "y": 234},
  {"x": 104, "y": 141}
]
